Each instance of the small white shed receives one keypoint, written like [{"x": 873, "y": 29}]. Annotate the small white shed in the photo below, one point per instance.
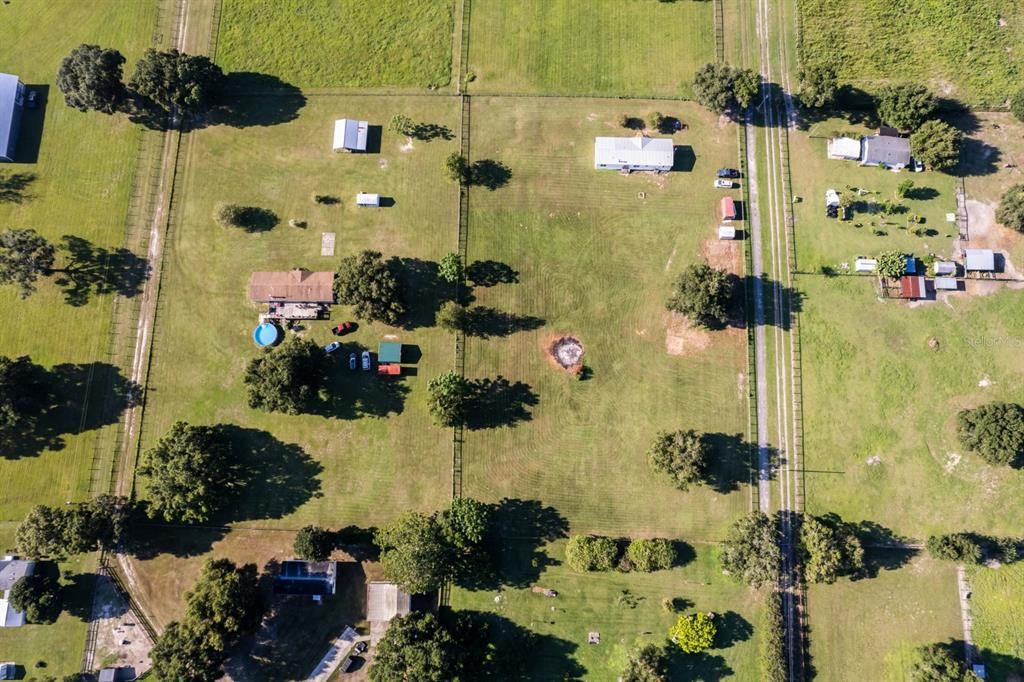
[
  {"x": 844, "y": 148},
  {"x": 831, "y": 198},
  {"x": 945, "y": 267},
  {"x": 364, "y": 200},
  {"x": 726, "y": 232},
  {"x": 865, "y": 265},
  {"x": 350, "y": 135},
  {"x": 979, "y": 260},
  {"x": 946, "y": 284}
]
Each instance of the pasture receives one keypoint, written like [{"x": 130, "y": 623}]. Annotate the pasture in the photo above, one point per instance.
[
  {"x": 595, "y": 261},
  {"x": 998, "y": 628},
  {"x": 626, "y": 609},
  {"x": 346, "y": 44},
  {"x": 966, "y": 50},
  {"x": 912, "y": 601},
  {"x": 599, "y": 48}
]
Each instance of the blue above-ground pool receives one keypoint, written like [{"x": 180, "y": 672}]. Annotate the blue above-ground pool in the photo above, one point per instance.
[{"x": 266, "y": 334}]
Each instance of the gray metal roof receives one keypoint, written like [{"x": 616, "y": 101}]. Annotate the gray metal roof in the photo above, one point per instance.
[
  {"x": 11, "y": 569},
  {"x": 634, "y": 152},
  {"x": 12, "y": 95},
  {"x": 351, "y": 134},
  {"x": 982, "y": 260},
  {"x": 887, "y": 151}
]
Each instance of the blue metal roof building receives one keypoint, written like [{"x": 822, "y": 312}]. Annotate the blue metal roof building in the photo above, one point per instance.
[{"x": 12, "y": 102}]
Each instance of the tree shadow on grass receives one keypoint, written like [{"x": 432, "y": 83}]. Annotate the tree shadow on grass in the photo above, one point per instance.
[
  {"x": 95, "y": 271},
  {"x": 499, "y": 402},
  {"x": 68, "y": 399},
  {"x": 732, "y": 461},
  {"x": 489, "y": 273},
  {"x": 484, "y": 322},
  {"x": 354, "y": 394},
  {"x": 703, "y": 666},
  {"x": 422, "y": 278},
  {"x": 522, "y": 528},
  {"x": 425, "y": 132},
  {"x": 732, "y": 628},
  {"x": 76, "y": 596},
  {"x": 489, "y": 173},
  {"x": 149, "y": 539},
  {"x": 516, "y": 654},
  {"x": 977, "y": 158},
  {"x": 14, "y": 186},
  {"x": 922, "y": 193}
]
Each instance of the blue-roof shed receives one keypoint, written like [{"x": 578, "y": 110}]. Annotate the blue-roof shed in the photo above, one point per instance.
[
  {"x": 911, "y": 265},
  {"x": 12, "y": 102},
  {"x": 389, "y": 351}
]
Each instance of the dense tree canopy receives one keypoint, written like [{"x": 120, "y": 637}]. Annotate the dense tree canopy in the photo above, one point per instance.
[
  {"x": 651, "y": 555},
  {"x": 960, "y": 547},
  {"x": 453, "y": 316},
  {"x": 694, "y": 633},
  {"x": 313, "y": 543},
  {"x": 38, "y": 596},
  {"x": 366, "y": 283},
  {"x": 175, "y": 80},
  {"x": 647, "y": 663},
  {"x": 419, "y": 647},
  {"x": 819, "y": 85},
  {"x": 905, "y": 106},
  {"x": 703, "y": 294},
  {"x": 91, "y": 78},
  {"x": 829, "y": 549},
  {"x": 188, "y": 473},
  {"x": 772, "y": 650},
  {"x": 720, "y": 87},
  {"x": 288, "y": 378},
  {"x": 21, "y": 392},
  {"x": 995, "y": 431},
  {"x": 751, "y": 551},
  {"x": 450, "y": 268},
  {"x": 456, "y": 168},
  {"x": 936, "y": 144},
  {"x": 73, "y": 528},
  {"x": 591, "y": 553},
  {"x": 937, "y": 663},
  {"x": 892, "y": 264},
  {"x": 682, "y": 455},
  {"x": 1011, "y": 208},
  {"x": 184, "y": 653},
  {"x": 448, "y": 398},
  {"x": 414, "y": 553},
  {"x": 25, "y": 256}
]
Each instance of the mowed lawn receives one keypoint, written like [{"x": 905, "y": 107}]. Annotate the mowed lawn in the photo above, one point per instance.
[
  {"x": 823, "y": 241},
  {"x": 596, "y": 261},
  {"x": 374, "y": 452},
  {"x": 82, "y": 164},
  {"x": 339, "y": 43},
  {"x": 589, "y": 47},
  {"x": 998, "y": 625},
  {"x": 912, "y": 601},
  {"x": 627, "y": 610},
  {"x": 893, "y": 456},
  {"x": 968, "y": 50}
]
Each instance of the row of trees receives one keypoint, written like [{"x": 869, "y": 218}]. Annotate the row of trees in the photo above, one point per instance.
[
  {"x": 91, "y": 78},
  {"x": 585, "y": 553},
  {"x": 225, "y": 604},
  {"x": 100, "y": 523},
  {"x": 972, "y": 548}
]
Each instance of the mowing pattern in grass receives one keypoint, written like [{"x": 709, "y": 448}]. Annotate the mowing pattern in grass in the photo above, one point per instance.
[
  {"x": 83, "y": 164},
  {"x": 998, "y": 624},
  {"x": 626, "y": 609},
  {"x": 964, "y": 49},
  {"x": 894, "y": 457},
  {"x": 598, "y": 47},
  {"x": 339, "y": 43},
  {"x": 377, "y": 452},
  {"x": 595, "y": 261},
  {"x": 888, "y": 615}
]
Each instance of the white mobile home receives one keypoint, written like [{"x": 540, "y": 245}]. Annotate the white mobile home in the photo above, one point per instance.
[
  {"x": 364, "y": 200},
  {"x": 12, "y": 102},
  {"x": 634, "y": 153}
]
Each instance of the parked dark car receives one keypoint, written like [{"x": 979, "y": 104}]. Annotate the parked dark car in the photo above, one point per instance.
[
  {"x": 344, "y": 328},
  {"x": 361, "y": 647},
  {"x": 728, "y": 173}
]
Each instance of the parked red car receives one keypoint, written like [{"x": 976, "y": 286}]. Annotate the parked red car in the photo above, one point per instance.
[{"x": 344, "y": 328}]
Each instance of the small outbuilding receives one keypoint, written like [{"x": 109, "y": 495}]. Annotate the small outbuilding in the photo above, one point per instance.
[
  {"x": 389, "y": 352},
  {"x": 364, "y": 200},
  {"x": 831, "y": 198},
  {"x": 913, "y": 288},
  {"x": 979, "y": 260},
  {"x": 726, "y": 232},
  {"x": 946, "y": 284},
  {"x": 634, "y": 153},
  {"x": 865, "y": 265},
  {"x": 911, "y": 265},
  {"x": 311, "y": 578},
  {"x": 944, "y": 267},
  {"x": 107, "y": 675},
  {"x": 8, "y": 670},
  {"x": 846, "y": 148},
  {"x": 12, "y": 104},
  {"x": 12, "y": 569},
  {"x": 384, "y": 601},
  {"x": 350, "y": 135},
  {"x": 727, "y": 208}
]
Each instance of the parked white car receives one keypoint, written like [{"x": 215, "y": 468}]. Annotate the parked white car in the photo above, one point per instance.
[{"x": 722, "y": 183}]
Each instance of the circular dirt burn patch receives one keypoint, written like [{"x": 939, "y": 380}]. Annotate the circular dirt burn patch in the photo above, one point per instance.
[{"x": 567, "y": 352}]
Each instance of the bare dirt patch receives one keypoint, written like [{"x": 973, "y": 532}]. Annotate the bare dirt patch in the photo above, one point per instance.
[
  {"x": 119, "y": 637},
  {"x": 565, "y": 352},
  {"x": 408, "y": 146},
  {"x": 683, "y": 337},
  {"x": 724, "y": 254}
]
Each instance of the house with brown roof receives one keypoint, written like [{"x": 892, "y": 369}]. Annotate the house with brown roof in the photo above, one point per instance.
[{"x": 294, "y": 286}]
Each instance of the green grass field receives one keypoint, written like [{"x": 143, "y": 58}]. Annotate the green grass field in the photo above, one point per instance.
[
  {"x": 599, "y": 47},
  {"x": 627, "y": 610},
  {"x": 83, "y": 166},
  {"x": 379, "y": 453},
  {"x": 968, "y": 50},
  {"x": 998, "y": 626},
  {"x": 596, "y": 261},
  {"x": 339, "y": 44},
  {"x": 889, "y": 616}
]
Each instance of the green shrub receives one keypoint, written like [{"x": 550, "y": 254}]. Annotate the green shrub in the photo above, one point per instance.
[
  {"x": 591, "y": 553},
  {"x": 651, "y": 555},
  {"x": 694, "y": 633},
  {"x": 954, "y": 547},
  {"x": 995, "y": 431}
]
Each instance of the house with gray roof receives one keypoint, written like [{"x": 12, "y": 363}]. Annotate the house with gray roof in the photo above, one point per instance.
[
  {"x": 12, "y": 104},
  {"x": 350, "y": 135},
  {"x": 12, "y": 569},
  {"x": 883, "y": 150},
  {"x": 634, "y": 153}
]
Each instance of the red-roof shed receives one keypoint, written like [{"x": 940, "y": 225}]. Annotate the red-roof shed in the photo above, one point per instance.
[
  {"x": 728, "y": 208},
  {"x": 912, "y": 287}
]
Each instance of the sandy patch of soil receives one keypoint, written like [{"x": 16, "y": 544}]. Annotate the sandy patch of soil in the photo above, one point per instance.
[
  {"x": 874, "y": 460},
  {"x": 408, "y": 146},
  {"x": 682, "y": 337},
  {"x": 724, "y": 254},
  {"x": 565, "y": 352},
  {"x": 952, "y": 459},
  {"x": 119, "y": 637},
  {"x": 383, "y": 164}
]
